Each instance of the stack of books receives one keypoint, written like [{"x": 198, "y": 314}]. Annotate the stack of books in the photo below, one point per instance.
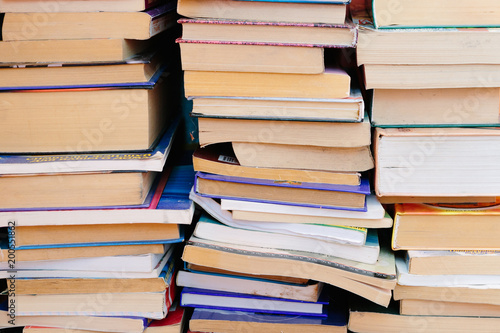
[
  {"x": 284, "y": 140},
  {"x": 434, "y": 73},
  {"x": 91, "y": 208}
]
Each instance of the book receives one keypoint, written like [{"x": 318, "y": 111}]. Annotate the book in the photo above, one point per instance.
[
  {"x": 70, "y": 253},
  {"x": 119, "y": 24},
  {"x": 426, "y": 227},
  {"x": 205, "y": 56},
  {"x": 174, "y": 322},
  {"x": 75, "y": 190},
  {"x": 136, "y": 263},
  {"x": 373, "y": 282},
  {"x": 168, "y": 203},
  {"x": 248, "y": 285},
  {"x": 210, "y": 299},
  {"x": 482, "y": 294},
  {"x": 374, "y": 210},
  {"x": 208, "y": 228},
  {"x": 415, "y": 307},
  {"x": 54, "y": 6},
  {"x": 273, "y": 11},
  {"x": 220, "y": 159},
  {"x": 96, "y": 274},
  {"x": 70, "y": 50},
  {"x": 349, "y": 109},
  {"x": 137, "y": 69},
  {"x": 435, "y": 76},
  {"x": 254, "y": 154},
  {"x": 115, "y": 284},
  {"x": 307, "y": 133},
  {"x": 39, "y": 324},
  {"x": 370, "y": 318},
  {"x": 413, "y": 46},
  {"x": 435, "y": 107},
  {"x": 453, "y": 262},
  {"x": 367, "y": 252},
  {"x": 332, "y": 83},
  {"x": 302, "y": 194},
  {"x": 442, "y": 280},
  {"x": 94, "y": 234},
  {"x": 417, "y": 162},
  {"x": 441, "y": 13},
  {"x": 120, "y": 119},
  {"x": 231, "y": 321},
  {"x": 270, "y": 33},
  {"x": 149, "y": 160}
]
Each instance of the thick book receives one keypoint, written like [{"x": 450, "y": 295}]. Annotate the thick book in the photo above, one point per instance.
[
  {"x": 119, "y": 24},
  {"x": 209, "y": 228},
  {"x": 121, "y": 119},
  {"x": 476, "y": 107},
  {"x": 370, "y": 318},
  {"x": 363, "y": 253},
  {"x": 428, "y": 227},
  {"x": 225, "y": 320},
  {"x": 425, "y": 46},
  {"x": 270, "y": 33},
  {"x": 270, "y": 11},
  {"x": 71, "y": 50},
  {"x": 373, "y": 282},
  {"x": 168, "y": 202},
  {"x": 31, "y": 237},
  {"x": 306, "y": 133},
  {"x": 453, "y": 262},
  {"x": 206, "y": 56},
  {"x": 149, "y": 160},
  {"x": 434, "y": 13},
  {"x": 348, "y": 109},
  {"x": 317, "y": 195},
  {"x": 332, "y": 83},
  {"x": 442, "y": 280},
  {"x": 115, "y": 284},
  {"x": 138, "y": 69},
  {"x": 436, "y": 76},
  {"x": 417, "y": 162},
  {"x": 417, "y": 307},
  {"x": 268, "y": 155},
  {"x": 55, "y": 6},
  {"x": 220, "y": 300},
  {"x": 249, "y": 285},
  {"x": 220, "y": 159}
]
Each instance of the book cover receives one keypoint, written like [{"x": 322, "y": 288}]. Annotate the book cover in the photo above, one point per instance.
[
  {"x": 150, "y": 160},
  {"x": 255, "y": 303}
]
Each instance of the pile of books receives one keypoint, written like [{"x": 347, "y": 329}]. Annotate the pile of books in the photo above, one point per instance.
[
  {"x": 435, "y": 106},
  {"x": 91, "y": 206},
  {"x": 284, "y": 142}
]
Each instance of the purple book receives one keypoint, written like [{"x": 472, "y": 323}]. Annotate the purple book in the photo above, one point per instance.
[
  {"x": 211, "y": 299},
  {"x": 319, "y": 195}
]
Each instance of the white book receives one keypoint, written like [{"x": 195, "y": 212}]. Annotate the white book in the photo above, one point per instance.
[
  {"x": 207, "y": 228},
  {"x": 466, "y": 281},
  {"x": 374, "y": 209},
  {"x": 321, "y": 232},
  {"x": 66, "y": 273}
]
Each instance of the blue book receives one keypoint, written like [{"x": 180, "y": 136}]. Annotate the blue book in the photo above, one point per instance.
[
  {"x": 204, "y": 320},
  {"x": 319, "y": 195},
  {"x": 211, "y": 299}
]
